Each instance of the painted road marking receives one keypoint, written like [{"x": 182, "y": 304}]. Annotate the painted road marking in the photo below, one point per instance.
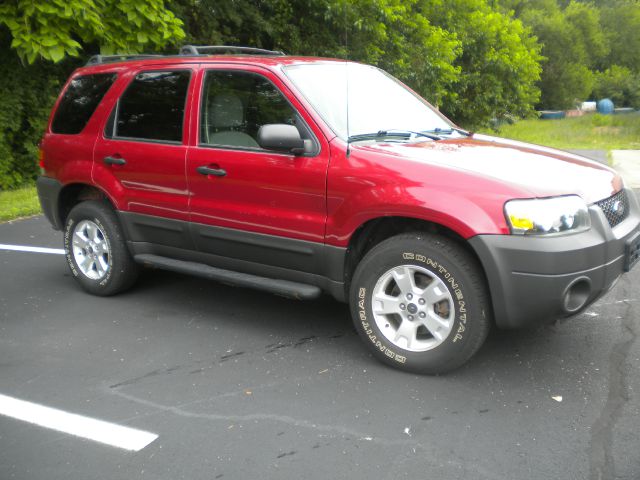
[
  {"x": 78, "y": 425},
  {"x": 24, "y": 248}
]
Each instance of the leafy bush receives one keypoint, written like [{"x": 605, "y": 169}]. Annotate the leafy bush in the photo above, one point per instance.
[
  {"x": 27, "y": 94},
  {"x": 619, "y": 84},
  {"x": 31, "y": 32},
  {"x": 54, "y": 29}
]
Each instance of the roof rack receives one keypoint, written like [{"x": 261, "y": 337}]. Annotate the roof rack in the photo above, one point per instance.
[
  {"x": 187, "y": 50},
  {"x": 98, "y": 59},
  {"x": 213, "y": 49}
]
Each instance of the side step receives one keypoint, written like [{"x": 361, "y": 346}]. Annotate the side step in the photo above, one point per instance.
[{"x": 284, "y": 288}]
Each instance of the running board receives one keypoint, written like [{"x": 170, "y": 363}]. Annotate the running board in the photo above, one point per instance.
[{"x": 284, "y": 288}]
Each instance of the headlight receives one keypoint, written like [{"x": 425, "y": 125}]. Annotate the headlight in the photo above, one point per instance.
[{"x": 547, "y": 216}]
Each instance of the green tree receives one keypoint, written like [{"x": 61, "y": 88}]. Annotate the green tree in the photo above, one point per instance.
[
  {"x": 35, "y": 35},
  {"x": 463, "y": 55},
  {"x": 621, "y": 24},
  {"x": 499, "y": 64},
  {"x": 26, "y": 95},
  {"x": 56, "y": 28},
  {"x": 620, "y": 84},
  {"x": 573, "y": 45},
  {"x": 392, "y": 34},
  {"x": 397, "y": 36}
]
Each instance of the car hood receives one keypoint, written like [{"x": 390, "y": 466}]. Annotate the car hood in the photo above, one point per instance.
[{"x": 541, "y": 171}]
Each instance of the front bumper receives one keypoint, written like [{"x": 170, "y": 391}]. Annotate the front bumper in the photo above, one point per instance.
[{"x": 536, "y": 280}]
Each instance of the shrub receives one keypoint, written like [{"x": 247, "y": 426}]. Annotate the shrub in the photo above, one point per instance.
[
  {"x": 619, "y": 84},
  {"x": 26, "y": 96}
]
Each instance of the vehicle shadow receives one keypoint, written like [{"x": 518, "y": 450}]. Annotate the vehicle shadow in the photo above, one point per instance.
[{"x": 288, "y": 322}]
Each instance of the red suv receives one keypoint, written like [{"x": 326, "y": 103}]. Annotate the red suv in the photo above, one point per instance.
[{"x": 303, "y": 176}]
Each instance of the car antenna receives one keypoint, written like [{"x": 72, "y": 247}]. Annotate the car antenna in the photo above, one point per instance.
[{"x": 346, "y": 69}]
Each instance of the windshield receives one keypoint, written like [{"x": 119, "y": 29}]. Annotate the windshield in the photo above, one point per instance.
[{"x": 377, "y": 101}]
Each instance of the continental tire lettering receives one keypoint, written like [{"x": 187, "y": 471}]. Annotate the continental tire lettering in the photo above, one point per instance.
[
  {"x": 107, "y": 277},
  {"x": 67, "y": 244},
  {"x": 362, "y": 314},
  {"x": 409, "y": 256}
]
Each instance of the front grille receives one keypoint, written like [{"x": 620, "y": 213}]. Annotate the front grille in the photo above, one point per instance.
[{"x": 615, "y": 208}]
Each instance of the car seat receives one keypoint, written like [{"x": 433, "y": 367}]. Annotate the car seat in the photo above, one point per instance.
[{"x": 224, "y": 120}]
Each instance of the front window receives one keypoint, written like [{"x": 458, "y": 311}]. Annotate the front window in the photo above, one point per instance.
[
  {"x": 376, "y": 101},
  {"x": 236, "y": 104}
]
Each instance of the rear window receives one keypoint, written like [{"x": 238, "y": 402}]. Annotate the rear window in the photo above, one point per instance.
[
  {"x": 80, "y": 100},
  {"x": 152, "y": 107}
]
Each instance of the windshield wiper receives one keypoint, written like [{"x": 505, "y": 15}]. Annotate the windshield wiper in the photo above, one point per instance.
[
  {"x": 390, "y": 133},
  {"x": 449, "y": 131}
]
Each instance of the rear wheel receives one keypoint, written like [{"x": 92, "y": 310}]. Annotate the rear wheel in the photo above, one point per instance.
[
  {"x": 96, "y": 249},
  {"x": 420, "y": 303}
]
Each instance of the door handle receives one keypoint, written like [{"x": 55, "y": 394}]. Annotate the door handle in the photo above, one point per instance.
[
  {"x": 204, "y": 170},
  {"x": 114, "y": 161}
]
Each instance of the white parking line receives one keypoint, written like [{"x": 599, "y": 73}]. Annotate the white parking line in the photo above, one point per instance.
[
  {"x": 24, "y": 248},
  {"x": 85, "y": 427}
]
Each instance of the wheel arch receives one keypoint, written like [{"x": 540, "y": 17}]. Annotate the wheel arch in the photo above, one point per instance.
[
  {"x": 376, "y": 230},
  {"x": 72, "y": 194}
]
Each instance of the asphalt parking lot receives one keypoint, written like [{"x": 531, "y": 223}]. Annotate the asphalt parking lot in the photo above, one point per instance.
[{"x": 238, "y": 384}]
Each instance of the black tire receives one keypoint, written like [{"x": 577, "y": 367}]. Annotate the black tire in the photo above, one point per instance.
[
  {"x": 431, "y": 257},
  {"x": 121, "y": 271}
]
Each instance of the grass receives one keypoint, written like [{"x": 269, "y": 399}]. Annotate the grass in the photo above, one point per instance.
[
  {"x": 19, "y": 203},
  {"x": 589, "y": 132}
]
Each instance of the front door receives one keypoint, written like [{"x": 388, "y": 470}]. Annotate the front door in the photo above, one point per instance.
[{"x": 247, "y": 203}]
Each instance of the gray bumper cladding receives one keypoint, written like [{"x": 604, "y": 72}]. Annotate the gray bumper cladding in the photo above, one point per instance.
[
  {"x": 49, "y": 193},
  {"x": 536, "y": 280}
]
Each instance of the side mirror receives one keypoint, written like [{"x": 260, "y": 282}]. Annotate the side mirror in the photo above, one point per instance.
[{"x": 282, "y": 138}]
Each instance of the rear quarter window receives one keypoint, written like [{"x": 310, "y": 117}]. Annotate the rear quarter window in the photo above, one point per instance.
[{"x": 80, "y": 100}]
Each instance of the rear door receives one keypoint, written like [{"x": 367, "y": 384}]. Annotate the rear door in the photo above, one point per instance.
[
  {"x": 261, "y": 206},
  {"x": 141, "y": 154}
]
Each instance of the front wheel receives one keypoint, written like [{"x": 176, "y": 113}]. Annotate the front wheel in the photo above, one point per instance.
[{"x": 420, "y": 303}]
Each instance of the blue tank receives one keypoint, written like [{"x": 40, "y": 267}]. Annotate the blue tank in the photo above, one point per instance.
[{"x": 605, "y": 106}]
